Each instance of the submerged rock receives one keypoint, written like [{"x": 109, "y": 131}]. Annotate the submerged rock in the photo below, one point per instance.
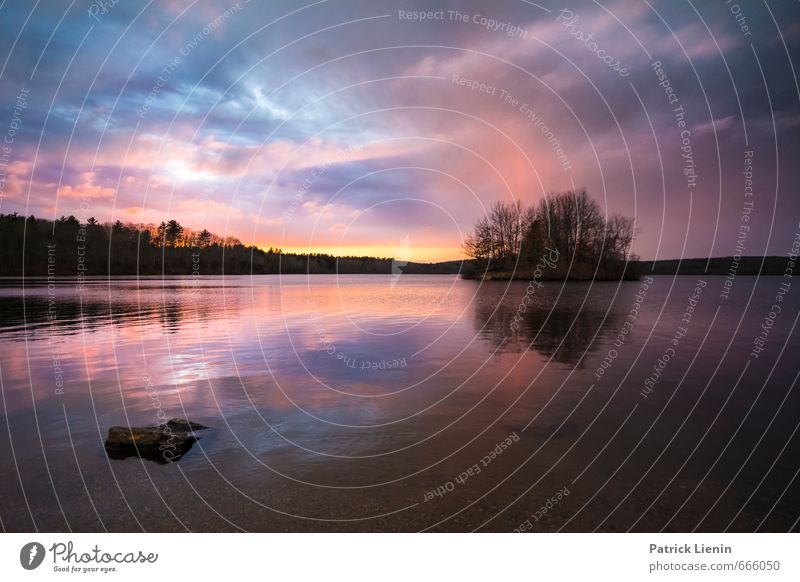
[{"x": 163, "y": 443}]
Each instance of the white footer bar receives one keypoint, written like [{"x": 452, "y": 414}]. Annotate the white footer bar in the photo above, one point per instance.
[{"x": 390, "y": 557}]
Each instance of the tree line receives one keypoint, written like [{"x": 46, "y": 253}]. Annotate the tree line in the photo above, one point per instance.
[
  {"x": 66, "y": 247},
  {"x": 568, "y": 229}
]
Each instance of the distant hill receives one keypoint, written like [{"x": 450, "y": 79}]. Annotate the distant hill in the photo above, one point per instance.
[
  {"x": 716, "y": 266},
  {"x": 443, "y": 268},
  {"x": 695, "y": 266},
  {"x": 66, "y": 247}
]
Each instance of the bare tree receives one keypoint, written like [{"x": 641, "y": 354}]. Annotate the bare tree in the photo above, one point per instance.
[
  {"x": 619, "y": 235},
  {"x": 497, "y": 237},
  {"x": 571, "y": 222},
  {"x": 478, "y": 245}
]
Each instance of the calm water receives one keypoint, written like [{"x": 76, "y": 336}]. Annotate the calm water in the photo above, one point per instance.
[{"x": 341, "y": 403}]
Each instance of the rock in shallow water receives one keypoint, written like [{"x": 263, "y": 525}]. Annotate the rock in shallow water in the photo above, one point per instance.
[
  {"x": 163, "y": 443},
  {"x": 182, "y": 425}
]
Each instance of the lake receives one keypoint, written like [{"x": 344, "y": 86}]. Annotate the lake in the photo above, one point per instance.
[{"x": 403, "y": 403}]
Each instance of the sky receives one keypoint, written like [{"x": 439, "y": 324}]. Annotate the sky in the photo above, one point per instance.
[{"x": 389, "y": 127}]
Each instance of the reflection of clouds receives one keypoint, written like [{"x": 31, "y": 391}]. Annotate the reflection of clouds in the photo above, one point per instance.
[{"x": 183, "y": 332}]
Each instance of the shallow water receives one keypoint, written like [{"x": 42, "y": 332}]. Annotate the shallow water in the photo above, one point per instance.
[{"x": 378, "y": 402}]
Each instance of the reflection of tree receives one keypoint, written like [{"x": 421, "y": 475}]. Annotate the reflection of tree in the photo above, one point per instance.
[
  {"x": 557, "y": 328},
  {"x": 557, "y": 339},
  {"x": 68, "y": 314},
  {"x": 171, "y": 316}
]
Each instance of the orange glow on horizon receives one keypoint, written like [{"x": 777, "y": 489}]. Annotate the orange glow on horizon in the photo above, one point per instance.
[{"x": 412, "y": 255}]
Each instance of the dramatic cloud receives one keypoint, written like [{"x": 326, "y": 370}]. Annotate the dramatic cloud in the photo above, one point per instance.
[{"x": 372, "y": 127}]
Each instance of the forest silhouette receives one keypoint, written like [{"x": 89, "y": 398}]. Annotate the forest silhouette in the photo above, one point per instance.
[{"x": 37, "y": 247}]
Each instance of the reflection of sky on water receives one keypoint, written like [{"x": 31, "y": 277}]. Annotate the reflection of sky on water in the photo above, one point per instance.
[
  {"x": 259, "y": 362},
  {"x": 352, "y": 350},
  {"x": 321, "y": 340}
]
